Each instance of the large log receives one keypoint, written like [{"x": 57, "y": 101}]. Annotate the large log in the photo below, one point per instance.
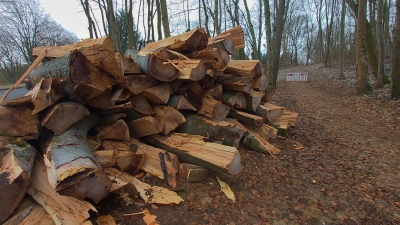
[
  {"x": 253, "y": 100},
  {"x": 62, "y": 209},
  {"x": 190, "y": 41},
  {"x": 260, "y": 83},
  {"x": 101, "y": 101},
  {"x": 269, "y": 112},
  {"x": 246, "y": 117},
  {"x": 192, "y": 92},
  {"x": 18, "y": 122},
  {"x": 169, "y": 117},
  {"x": 153, "y": 66},
  {"x": 257, "y": 143},
  {"x": 79, "y": 78},
  {"x": 236, "y": 34},
  {"x": 71, "y": 167},
  {"x": 30, "y": 212},
  {"x": 100, "y": 52},
  {"x": 136, "y": 84},
  {"x": 192, "y": 149},
  {"x": 16, "y": 164},
  {"x": 191, "y": 69},
  {"x": 213, "y": 109},
  {"x": 61, "y": 116},
  {"x": 247, "y": 68},
  {"x": 221, "y": 132}
]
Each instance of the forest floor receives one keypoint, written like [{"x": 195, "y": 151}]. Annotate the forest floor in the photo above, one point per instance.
[{"x": 348, "y": 172}]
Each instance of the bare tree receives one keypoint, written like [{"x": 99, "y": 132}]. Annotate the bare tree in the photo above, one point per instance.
[
  {"x": 362, "y": 82},
  {"x": 396, "y": 55},
  {"x": 381, "y": 45},
  {"x": 342, "y": 39}
]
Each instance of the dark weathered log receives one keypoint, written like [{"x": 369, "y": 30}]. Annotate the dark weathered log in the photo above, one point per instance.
[
  {"x": 220, "y": 132},
  {"x": 180, "y": 102},
  {"x": 111, "y": 118},
  {"x": 213, "y": 58},
  {"x": 192, "y": 149},
  {"x": 124, "y": 160},
  {"x": 169, "y": 117},
  {"x": 232, "y": 82},
  {"x": 144, "y": 126},
  {"x": 234, "y": 99},
  {"x": 175, "y": 85},
  {"x": 141, "y": 105},
  {"x": 116, "y": 131},
  {"x": 136, "y": 84},
  {"x": 153, "y": 66},
  {"x": 213, "y": 109},
  {"x": 246, "y": 68},
  {"x": 207, "y": 82},
  {"x": 16, "y": 164},
  {"x": 236, "y": 34},
  {"x": 79, "y": 78},
  {"x": 190, "y": 41},
  {"x": 158, "y": 94},
  {"x": 71, "y": 167},
  {"x": 61, "y": 116},
  {"x": 246, "y": 117},
  {"x": 253, "y": 100},
  {"x": 18, "y": 122},
  {"x": 191, "y": 69}
]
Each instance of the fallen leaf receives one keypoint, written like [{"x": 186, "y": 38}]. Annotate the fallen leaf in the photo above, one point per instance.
[
  {"x": 148, "y": 218},
  {"x": 227, "y": 190}
]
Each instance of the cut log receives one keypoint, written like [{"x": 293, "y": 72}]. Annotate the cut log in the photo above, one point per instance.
[
  {"x": 285, "y": 121},
  {"x": 61, "y": 116},
  {"x": 237, "y": 36},
  {"x": 150, "y": 194},
  {"x": 175, "y": 85},
  {"x": 124, "y": 160},
  {"x": 180, "y": 102},
  {"x": 164, "y": 54},
  {"x": 269, "y": 112},
  {"x": 192, "y": 149},
  {"x": 253, "y": 100},
  {"x": 120, "y": 95},
  {"x": 223, "y": 42},
  {"x": 141, "y": 105},
  {"x": 136, "y": 84},
  {"x": 127, "y": 64},
  {"x": 18, "y": 122},
  {"x": 269, "y": 93},
  {"x": 4, "y": 141},
  {"x": 234, "y": 99},
  {"x": 30, "y": 212},
  {"x": 207, "y": 82},
  {"x": 71, "y": 167},
  {"x": 116, "y": 131},
  {"x": 192, "y": 93},
  {"x": 213, "y": 58},
  {"x": 190, "y": 41},
  {"x": 152, "y": 163},
  {"x": 213, "y": 109},
  {"x": 246, "y": 117},
  {"x": 45, "y": 94},
  {"x": 111, "y": 118},
  {"x": 101, "y": 101},
  {"x": 158, "y": 94},
  {"x": 260, "y": 83},
  {"x": 77, "y": 76},
  {"x": 265, "y": 131},
  {"x": 246, "y": 68},
  {"x": 100, "y": 52},
  {"x": 62, "y": 209},
  {"x": 232, "y": 82},
  {"x": 144, "y": 126},
  {"x": 169, "y": 117},
  {"x": 191, "y": 69},
  {"x": 221, "y": 132},
  {"x": 153, "y": 66},
  {"x": 15, "y": 175},
  {"x": 192, "y": 172},
  {"x": 254, "y": 142}
]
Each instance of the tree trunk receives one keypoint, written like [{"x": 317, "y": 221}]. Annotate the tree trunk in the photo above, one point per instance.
[
  {"x": 396, "y": 55},
  {"x": 253, "y": 40},
  {"x": 381, "y": 46},
  {"x": 165, "y": 20},
  {"x": 280, "y": 23},
  {"x": 362, "y": 83},
  {"x": 136, "y": 84},
  {"x": 342, "y": 39}
]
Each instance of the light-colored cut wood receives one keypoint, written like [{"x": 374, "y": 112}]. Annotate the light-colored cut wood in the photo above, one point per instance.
[
  {"x": 236, "y": 34},
  {"x": 169, "y": 117},
  {"x": 136, "y": 84},
  {"x": 246, "y": 117},
  {"x": 124, "y": 160},
  {"x": 223, "y": 42},
  {"x": 247, "y": 68},
  {"x": 192, "y": 172},
  {"x": 191, "y": 69},
  {"x": 116, "y": 131},
  {"x": 213, "y": 109},
  {"x": 44, "y": 94},
  {"x": 158, "y": 94},
  {"x": 260, "y": 83},
  {"x": 141, "y": 105},
  {"x": 144, "y": 126},
  {"x": 234, "y": 99},
  {"x": 18, "y": 122},
  {"x": 269, "y": 111},
  {"x": 253, "y": 100},
  {"x": 233, "y": 82},
  {"x": 257, "y": 143},
  {"x": 213, "y": 58},
  {"x": 105, "y": 220},
  {"x": 30, "y": 212}
]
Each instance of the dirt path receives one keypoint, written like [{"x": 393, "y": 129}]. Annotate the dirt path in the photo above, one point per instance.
[{"x": 349, "y": 172}]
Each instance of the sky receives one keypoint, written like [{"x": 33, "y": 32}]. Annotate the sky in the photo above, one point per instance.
[{"x": 69, "y": 14}]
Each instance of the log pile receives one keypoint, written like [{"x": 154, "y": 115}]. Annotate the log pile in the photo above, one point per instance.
[{"x": 97, "y": 117}]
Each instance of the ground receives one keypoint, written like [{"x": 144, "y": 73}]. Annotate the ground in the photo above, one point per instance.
[{"x": 348, "y": 172}]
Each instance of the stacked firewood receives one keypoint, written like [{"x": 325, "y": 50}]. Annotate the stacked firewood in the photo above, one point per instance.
[{"x": 97, "y": 117}]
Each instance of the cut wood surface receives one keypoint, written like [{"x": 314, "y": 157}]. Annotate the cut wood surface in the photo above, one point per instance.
[
  {"x": 62, "y": 209},
  {"x": 153, "y": 66},
  {"x": 169, "y": 117},
  {"x": 234, "y": 99},
  {"x": 260, "y": 83},
  {"x": 100, "y": 52},
  {"x": 213, "y": 58},
  {"x": 191, "y": 69},
  {"x": 127, "y": 64},
  {"x": 192, "y": 93},
  {"x": 116, "y": 131},
  {"x": 144, "y": 126},
  {"x": 141, "y": 105},
  {"x": 124, "y": 160},
  {"x": 136, "y": 84},
  {"x": 192, "y": 172},
  {"x": 192, "y": 149},
  {"x": 46, "y": 93},
  {"x": 264, "y": 131},
  {"x": 30, "y": 212},
  {"x": 223, "y": 42},
  {"x": 16, "y": 164},
  {"x": 213, "y": 109},
  {"x": 152, "y": 163},
  {"x": 257, "y": 143},
  {"x": 246, "y": 118},
  {"x": 187, "y": 42},
  {"x": 120, "y": 95},
  {"x": 180, "y": 102},
  {"x": 101, "y": 101},
  {"x": 61, "y": 116},
  {"x": 253, "y": 100},
  {"x": 269, "y": 111},
  {"x": 235, "y": 83},
  {"x": 150, "y": 194},
  {"x": 158, "y": 94},
  {"x": 247, "y": 68},
  {"x": 236, "y": 34},
  {"x": 18, "y": 122}
]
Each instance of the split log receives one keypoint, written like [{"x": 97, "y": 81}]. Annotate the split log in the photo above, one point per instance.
[
  {"x": 153, "y": 66},
  {"x": 158, "y": 94},
  {"x": 285, "y": 121},
  {"x": 81, "y": 80},
  {"x": 213, "y": 109},
  {"x": 30, "y": 212},
  {"x": 265, "y": 131},
  {"x": 100, "y": 52},
  {"x": 192, "y": 149},
  {"x": 269, "y": 112},
  {"x": 213, "y": 58},
  {"x": 165, "y": 54},
  {"x": 247, "y": 68},
  {"x": 4, "y": 141},
  {"x": 254, "y": 142},
  {"x": 175, "y": 85},
  {"x": 234, "y": 99},
  {"x": 124, "y": 160},
  {"x": 152, "y": 163},
  {"x": 116, "y": 131},
  {"x": 253, "y": 100},
  {"x": 192, "y": 93},
  {"x": 71, "y": 167},
  {"x": 62, "y": 209},
  {"x": 15, "y": 175},
  {"x": 127, "y": 64},
  {"x": 150, "y": 194},
  {"x": 269, "y": 93},
  {"x": 192, "y": 172},
  {"x": 191, "y": 69},
  {"x": 141, "y": 105},
  {"x": 101, "y": 101},
  {"x": 18, "y": 122},
  {"x": 111, "y": 118},
  {"x": 190, "y": 41},
  {"x": 223, "y": 42},
  {"x": 221, "y": 132},
  {"x": 169, "y": 117},
  {"x": 180, "y": 102},
  {"x": 246, "y": 117},
  {"x": 136, "y": 84},
  {"x": 232, "y": 82},
  {"x": 61, "y": 116},
  {"x": 260, "y": 83},
  {"x": 45, "y": 94},
  {"x": 120, "y": 95},
  {"x": 236, "y": 35},
  {"x": 144, "y": 126}
]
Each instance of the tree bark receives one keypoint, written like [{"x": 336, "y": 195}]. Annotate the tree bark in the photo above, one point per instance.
[
  {"x": 362, "y": 83},
  {"x": 381, "y": 46},
  {"x": 396, "y": 55},
  {"x": 165, "y": 20},
  {"x": 342, "y": 39}
]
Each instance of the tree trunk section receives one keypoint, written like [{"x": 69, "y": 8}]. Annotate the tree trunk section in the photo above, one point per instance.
[
  {"x": 136, "y": 84},
  {"x": 396, "y": 55},
  {"x": 213, "y": 109},
  {"x": 191, "y": 69},
  {"x": 144, "y": 126},
  {"x": 124, "y": 160},
  {"x": 247, "y": 68},
  {"x": 181, "y": 103},
  {"x": 169, "y": 118},
  {"x": 158, "y": 94},
  {"x": 18, "y": 122}
]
